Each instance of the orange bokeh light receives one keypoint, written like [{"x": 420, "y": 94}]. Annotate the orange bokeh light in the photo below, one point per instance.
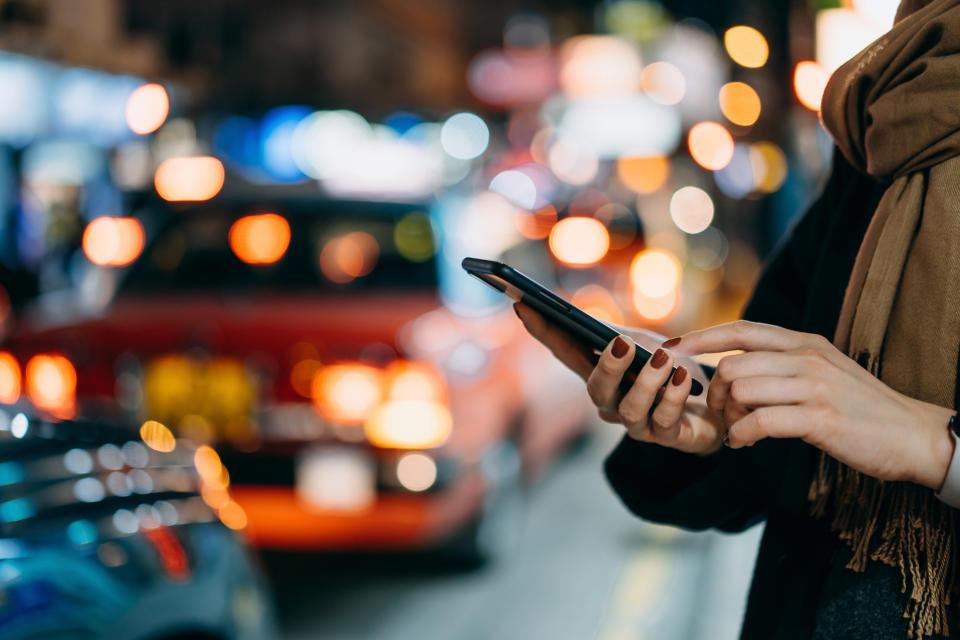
[
  {"x": 656, "y": 309},
  {"x": 579, "y": 241},
  {"x": 654, "y": 273},
  {"x": 9, "y": 378},
  {"x": 746, "y": 46},
  {"x": 347, "y": 392},
  {"x": 740, "y": 103},
  {"x": 406, "y": 380},
  {"x": 51, "y": 383},
  {"x": 349, "y": 257},
  {"x": 711, "y": 145},
  {"x": 643, "y": 174},
  {"x": 261, "y": 238},
  {"x": 147, "y": 108},
  {"x": 536, "y": 225},
  {"x": 113, "y": 242},
  {"x": 232, "y": 515},
  {"x": 598, "y": 302},
  {"x": 189, "y": 179},
  {"x": 809, "y": 81}
]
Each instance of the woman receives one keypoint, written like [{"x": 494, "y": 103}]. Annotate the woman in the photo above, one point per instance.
[{"x": 840, "y": 446}]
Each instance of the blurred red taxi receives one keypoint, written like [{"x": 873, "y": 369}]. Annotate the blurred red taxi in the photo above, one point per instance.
[{"x": 306, "y": 339}]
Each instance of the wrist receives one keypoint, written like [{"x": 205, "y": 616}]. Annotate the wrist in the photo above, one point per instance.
[{"x": 937, "y": 447}]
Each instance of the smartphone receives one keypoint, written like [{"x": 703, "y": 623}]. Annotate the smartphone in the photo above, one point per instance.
[{"x": 583, "y": 327}]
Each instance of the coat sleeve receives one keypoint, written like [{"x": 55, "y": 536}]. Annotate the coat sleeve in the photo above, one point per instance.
[{"x": 731, "y": 489}]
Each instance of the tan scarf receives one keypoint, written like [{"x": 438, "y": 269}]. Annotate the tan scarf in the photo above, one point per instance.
[{"x": 894, "y": 111}]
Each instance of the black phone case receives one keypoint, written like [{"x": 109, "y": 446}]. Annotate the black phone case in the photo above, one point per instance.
[{"x": 587, "y": 329}]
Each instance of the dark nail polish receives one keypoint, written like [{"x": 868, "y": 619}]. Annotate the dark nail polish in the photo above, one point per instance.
[
  {"x": 659, "y": 358},
  {"x": 620, "y": 347},
  {"x": 672, "y": 342},
  {"x": 679, "y": 376}
]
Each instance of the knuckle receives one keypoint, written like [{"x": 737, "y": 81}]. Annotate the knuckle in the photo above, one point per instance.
[
  {"x": 594, "y": 389},
  {"x": 739, "y": 390},
  {"x": 608, "y": 366},
  {"x": 632, "y": 414},
  {"x": 725, "y": 370}
]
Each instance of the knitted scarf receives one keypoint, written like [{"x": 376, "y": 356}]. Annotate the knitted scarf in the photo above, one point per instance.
[{"x": 894, "y": 112}]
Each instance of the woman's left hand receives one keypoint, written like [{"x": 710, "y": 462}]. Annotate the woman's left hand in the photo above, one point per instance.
[{"x": 789, "y": 384}]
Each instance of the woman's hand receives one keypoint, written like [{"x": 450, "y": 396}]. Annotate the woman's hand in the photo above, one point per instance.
[
  {"x": 798, "y": 385},
  {"x": 671, "y": 419}
]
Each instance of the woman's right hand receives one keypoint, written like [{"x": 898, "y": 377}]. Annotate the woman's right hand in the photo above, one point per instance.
[{"x": 670, "y": 418}]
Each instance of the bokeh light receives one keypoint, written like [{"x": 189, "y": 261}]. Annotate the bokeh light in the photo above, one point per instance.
[
  {"x": 573, "y": 162},
  {"x": 536, "y": 225},
  {"x": 736, "y": 180},
  {"x": 157, "y": 436},
  {"x": 416, "y": 471},
  {"x": 189, "y": 179},
  {"x": 347, "y": 392},
  {"x": 711, "y": 145},
  {"x": 769, "y": 166},
  {"x": 113, "y": 242},
  {"x": 232, "y": 515},
  {"x": 579, "y": 241},
  {"x": 691, "y": 209},
  {"x": 260, "y": 239},
  {"x": 809, "y": 81},
  {"x": 516, "y": 186},
  {"x": 10, "y": 380},
  {"x": 599, "y": 66},
  {"x": 655, "y": 273},
  {"x": 409, "y": 424},
  {"x": 663, "y": 83},
  {"x": 147, "y": 108},
  {"x": 465, "y": 136},
  {"x": 350, "y": 256},
  {"x": 643, "y": 174},
  {"x": 414, "y": 238},
  {"x": 598, "y": 302},
  {"x": 739, "y": 103},
  {"x": 746, "y": 46},
  {"x": 656, "y": 309},
  {"x": 51, "y": 383}
]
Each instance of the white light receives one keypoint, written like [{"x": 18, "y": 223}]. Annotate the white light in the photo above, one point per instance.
[
  {"x": 135, "y": 454},
  {"x": 464, "y": 136},
  {"x": 78, "y": 461},
  {"x": 336, "y": 479},
  {"x": 842, "y": 34},
  {"x": 89, "y": 490},
  {"x": 622, "y": 126},
  {"x": 691, "y": 209},
  {"x": 118, "y": 484},
  {"x": 573, "y": 162},
  {"x": 125, "y": 521},
  {"x": 416, "y": 471},
  {"x": 110, "y": 457},
  {"x": 515, "y": 186},
  {"x": 19, "y": 425},
  {"x": 881, "y": 12}
]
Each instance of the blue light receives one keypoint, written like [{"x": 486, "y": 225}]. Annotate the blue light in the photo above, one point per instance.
[
  {"x": 11, "y": 473},
  {"x": 16, "y": 510},
  {"x": 402, "y": 121},
  {"x": 276, "y": 139},
  {"x": 237, "y": 141},
  {"x": 81, "y": 532}
]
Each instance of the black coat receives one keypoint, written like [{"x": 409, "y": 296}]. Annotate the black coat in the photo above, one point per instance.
[{"x": 802, "y": 289}]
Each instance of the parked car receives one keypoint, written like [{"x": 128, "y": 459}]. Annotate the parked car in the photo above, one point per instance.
[
  {"x": 307, "y": 340},
  {"x": 103, "y": 537}
]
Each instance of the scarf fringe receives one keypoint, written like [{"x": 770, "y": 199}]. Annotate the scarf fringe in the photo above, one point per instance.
[{"x": 905, "y": 526}]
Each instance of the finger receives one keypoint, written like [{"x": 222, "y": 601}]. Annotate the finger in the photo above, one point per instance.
[
  {"x": 603, "y": 383},
  {"x": 636, "y": 404},
  {"x": 665, "y": 419},
  {"x": 747, "y": 365},
  {"x": 749, "y": 336},
  {"x": 576, "y": 356},
  {"x": 769, "y": 422}
]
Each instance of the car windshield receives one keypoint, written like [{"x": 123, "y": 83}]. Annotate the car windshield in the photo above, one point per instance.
[{"x": 331, "y": 247}]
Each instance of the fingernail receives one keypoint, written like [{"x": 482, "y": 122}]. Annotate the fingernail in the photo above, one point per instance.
[
  {"x": 726, "y": 440},
  {"x": 672, "y": 342},
  {"x": 679, "y": 376},
  {"x": 659, "y": 358},
  {"x": 620, "y": 347}
]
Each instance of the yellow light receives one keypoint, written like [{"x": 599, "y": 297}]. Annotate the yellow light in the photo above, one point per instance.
[
  {"x": 350, "y": 256},
  {"x": 599, "y": 66},
  {"x": 113, "y": 242},
  {"x": 809, "y": 81},
  {"x": 9, "y": 378},
  {"x": 189, "y": 179},
  {"x": 598, "y": 302},
  {"x": 663, "y": 83},
  {"x": 215, "y": 497},
  {"x": 51, "y": 383},
  {"x": 147, "y": 108},
  {"x": 211, "y": 470},
  {"x": 413, "y": 237},
  {"x": 711, "y": 145},
  {"x": 260, "y": 239},
  {"x": 769, "y": 166},
  {"x": 746, "y": 46},
  {"x": 656, "y": 309},
  {"x": 416, "y": 471},
  {"x": 347, "y": 392},
  {"x": 409, "y": 424},
  {"x": 654, "y": 273},
  {"x": 691, "y": 209},
  {"x": 232, "y": 515},
  {"x": 405, "y": 380},
  {"x": 579, "y": 241},
  {"x": 740, "y": 103},
  {"x": 643, "y": 174},
  {"x": 157, "y": 436}
]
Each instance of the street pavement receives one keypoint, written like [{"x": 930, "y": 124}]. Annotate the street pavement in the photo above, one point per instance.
[{"x": 584, "y": 569}]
